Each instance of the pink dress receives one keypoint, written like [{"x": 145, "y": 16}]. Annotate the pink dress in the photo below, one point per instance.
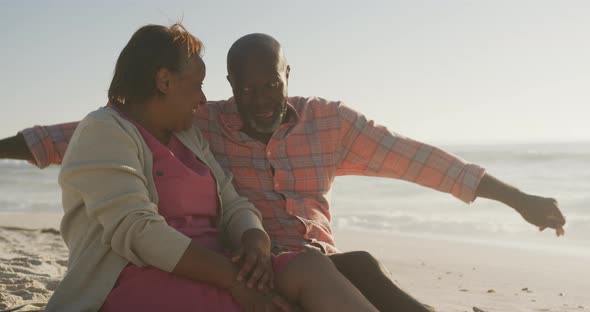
[{"x": 188, "y": 201}]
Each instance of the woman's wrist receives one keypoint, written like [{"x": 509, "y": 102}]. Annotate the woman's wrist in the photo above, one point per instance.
[{"x": 254, "y": 235}]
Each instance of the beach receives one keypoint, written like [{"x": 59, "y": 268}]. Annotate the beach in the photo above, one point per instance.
[{"x": 449, "y": 275}]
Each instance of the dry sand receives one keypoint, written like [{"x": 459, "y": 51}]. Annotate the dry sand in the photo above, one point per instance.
[
  {"x": 456, "y": 276},
  {"x": 450, "y": 276},
  {"x": 33, "y": 259}
]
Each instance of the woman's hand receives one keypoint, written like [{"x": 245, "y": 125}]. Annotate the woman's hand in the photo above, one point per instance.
[
  {"x": 252, "y": 300},
  {"x": 254, "y": 259}
]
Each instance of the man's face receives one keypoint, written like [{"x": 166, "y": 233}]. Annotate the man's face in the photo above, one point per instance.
[{"x": 260, "y": 91}]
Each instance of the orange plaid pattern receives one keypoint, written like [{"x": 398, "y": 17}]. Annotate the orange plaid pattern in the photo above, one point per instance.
[{"x": 289, "y": 178}]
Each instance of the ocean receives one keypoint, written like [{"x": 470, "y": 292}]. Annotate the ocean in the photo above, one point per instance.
[{"x": 397, "y": 207}]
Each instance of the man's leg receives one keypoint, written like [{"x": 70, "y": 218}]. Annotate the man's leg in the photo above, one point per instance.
[
  {"x": 312, "y": 281},
  {"x": 375, "y": 282}
]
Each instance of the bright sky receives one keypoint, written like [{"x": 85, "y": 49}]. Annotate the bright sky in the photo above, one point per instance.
[{"x": 440, "y": 71}]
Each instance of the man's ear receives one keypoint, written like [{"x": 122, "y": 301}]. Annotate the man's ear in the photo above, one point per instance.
[
  {"x": 163, "y": 77},
  {"x": 230, "y": 81}
]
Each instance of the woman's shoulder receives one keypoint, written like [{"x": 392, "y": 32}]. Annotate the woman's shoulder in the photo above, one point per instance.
[
  {"x": 105, "y": 118},
  {"x": 102, "y": 115},
  {"x": 104, "y": 124},
  {"x": 103, "y": 135}
]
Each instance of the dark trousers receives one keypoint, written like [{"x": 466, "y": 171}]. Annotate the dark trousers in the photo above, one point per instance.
[{"x": 375, "y": 282}]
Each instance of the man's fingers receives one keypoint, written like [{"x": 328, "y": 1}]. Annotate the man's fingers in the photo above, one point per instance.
[
  {"x": 554, "y": 222},
  {"x": 558, "y": 220},
  {"x": 559, "y": 231}
]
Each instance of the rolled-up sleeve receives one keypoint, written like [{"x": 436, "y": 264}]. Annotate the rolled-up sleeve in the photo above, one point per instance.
[
  {"x": 48, "y": 144},
  {"x": 371, "y": 149},
  {"x": 102, "y": 169}
]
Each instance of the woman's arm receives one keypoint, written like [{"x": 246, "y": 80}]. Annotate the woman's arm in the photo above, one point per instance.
[
  {"x": 103, "y": 171},
  {"x": 242, "y": 227}
]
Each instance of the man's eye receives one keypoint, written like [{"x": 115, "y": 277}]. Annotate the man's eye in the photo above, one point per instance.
[{"x": 246, "y": 90}]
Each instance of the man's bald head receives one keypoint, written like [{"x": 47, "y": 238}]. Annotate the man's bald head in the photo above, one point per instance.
[
  {"x": 258, "y": 74},
  {"x": 258, "y": 48}
]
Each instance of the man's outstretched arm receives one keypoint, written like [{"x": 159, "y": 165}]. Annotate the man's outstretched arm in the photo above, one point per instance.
[
  {"x": 371, "y": 149},
  {"x": 40, "y": 145},
  {"x": 540, "y": 211}
]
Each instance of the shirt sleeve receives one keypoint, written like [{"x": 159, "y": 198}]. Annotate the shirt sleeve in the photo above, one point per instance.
[
  {"x": 102, "y": 173},
  {"x": 371, "y": 149},
  {"x": 48, "y": 144}
]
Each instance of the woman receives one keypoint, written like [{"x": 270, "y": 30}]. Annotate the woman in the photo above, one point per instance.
[{"x": 147, "y": 207}]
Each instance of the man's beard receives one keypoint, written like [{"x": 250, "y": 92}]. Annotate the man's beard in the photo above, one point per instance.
[{"x": 268, "y": 129}]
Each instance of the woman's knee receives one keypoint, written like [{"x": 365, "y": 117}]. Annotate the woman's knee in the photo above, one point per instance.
[
  {"x": 311, "y": 260},
  {"x": 302, "y": 271}
]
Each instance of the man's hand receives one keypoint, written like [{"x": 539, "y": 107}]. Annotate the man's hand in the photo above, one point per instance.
[
  {"x": 540, "y": 211},
  {"x": 254, "y": 259},
  {"x": 256, "y": 301},
  {"x": 15, "y": 148}
]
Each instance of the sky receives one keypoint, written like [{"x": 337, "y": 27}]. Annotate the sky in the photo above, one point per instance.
[{"x": 440, "y": 71}]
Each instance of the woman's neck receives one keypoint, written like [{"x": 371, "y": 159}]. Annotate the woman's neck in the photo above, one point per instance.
[{"x": 141, "y": 114}]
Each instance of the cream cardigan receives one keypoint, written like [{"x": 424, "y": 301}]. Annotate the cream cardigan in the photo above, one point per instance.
[{"x": 111, "y": 209}]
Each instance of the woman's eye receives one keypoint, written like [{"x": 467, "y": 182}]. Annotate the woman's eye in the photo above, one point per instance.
[{"x": 274, "y": 84}]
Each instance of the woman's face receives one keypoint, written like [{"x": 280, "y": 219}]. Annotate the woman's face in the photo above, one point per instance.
[{"x": 184, "y": 96}]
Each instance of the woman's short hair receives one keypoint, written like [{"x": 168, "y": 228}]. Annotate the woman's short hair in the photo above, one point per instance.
[{"x": 151, "y": 48}]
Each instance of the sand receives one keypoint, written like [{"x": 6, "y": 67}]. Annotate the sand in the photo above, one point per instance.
[
  {"x": 451, "y": 276},
  {"x": 33, "y": 259}
]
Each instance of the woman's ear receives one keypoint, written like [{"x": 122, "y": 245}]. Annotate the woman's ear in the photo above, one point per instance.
[{"x": 163, "y": 77}]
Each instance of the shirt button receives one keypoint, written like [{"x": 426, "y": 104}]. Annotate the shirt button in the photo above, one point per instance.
[
  {"x": 268, "y": 153},
  {"x": 276, "y": 184}
]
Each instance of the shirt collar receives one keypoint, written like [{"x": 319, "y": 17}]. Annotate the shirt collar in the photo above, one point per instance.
[{"x": 232, "y": 120}]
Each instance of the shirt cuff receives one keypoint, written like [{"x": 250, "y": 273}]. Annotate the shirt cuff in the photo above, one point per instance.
[
  {"x": 466, "y": 186},
  {"x": 34, "y": 139}
]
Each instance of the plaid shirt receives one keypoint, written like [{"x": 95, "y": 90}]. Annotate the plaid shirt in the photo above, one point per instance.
[{"x": 289, "y": 178}]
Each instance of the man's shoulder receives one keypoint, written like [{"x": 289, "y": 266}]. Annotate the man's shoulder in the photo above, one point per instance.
[
  {"x": 221, "y": 105},
  {"x": 314, "y": 105},
  {"x": 215, "y": 109}
]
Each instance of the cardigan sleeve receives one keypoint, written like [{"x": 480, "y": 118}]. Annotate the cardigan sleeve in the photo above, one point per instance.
[
  {"x": 102, "y": 173},
  {"x": 239, "y": 215}
]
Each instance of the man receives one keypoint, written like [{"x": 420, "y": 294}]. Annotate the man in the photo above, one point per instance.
[{"x": 285, "y": 152}]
